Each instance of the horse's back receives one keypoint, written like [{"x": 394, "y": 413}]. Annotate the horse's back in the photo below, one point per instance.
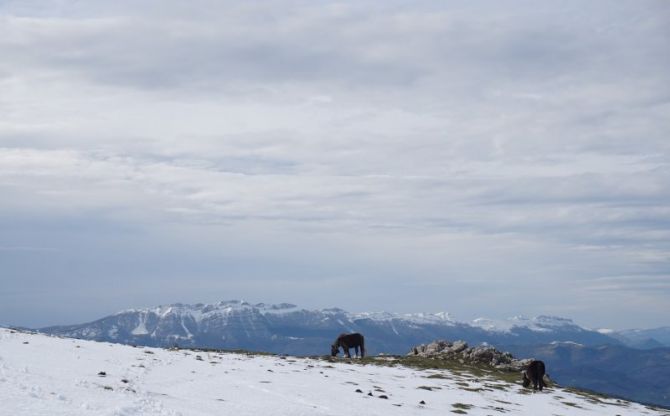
[
  {"x": 351, "y": 339},
  {"x": 537, "y": 368}
]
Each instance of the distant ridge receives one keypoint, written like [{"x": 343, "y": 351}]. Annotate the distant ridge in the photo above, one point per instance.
[{"x": 287, "y": 328}]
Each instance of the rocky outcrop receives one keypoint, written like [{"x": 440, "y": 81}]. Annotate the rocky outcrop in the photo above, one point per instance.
[{"x": 461, "y": 352}]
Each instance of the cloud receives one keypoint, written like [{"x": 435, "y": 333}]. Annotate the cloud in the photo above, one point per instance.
[{"x": 518, "y": 146}]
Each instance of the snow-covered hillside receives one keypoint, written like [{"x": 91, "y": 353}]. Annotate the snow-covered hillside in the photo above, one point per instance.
[{"x": 42, "y": 375}]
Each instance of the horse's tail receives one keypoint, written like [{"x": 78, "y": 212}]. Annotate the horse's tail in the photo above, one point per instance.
[
  {"x": 362, "y": 346},
  {"x": 541, "y": 373}
]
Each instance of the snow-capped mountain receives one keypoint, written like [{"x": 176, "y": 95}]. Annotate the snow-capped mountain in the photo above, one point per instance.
[
  {"x": 540, "y": 323},
  {"x": 286, "y": 328},
  {"x": 41, "y": 375},
  {"x": 643, "y": 338}
]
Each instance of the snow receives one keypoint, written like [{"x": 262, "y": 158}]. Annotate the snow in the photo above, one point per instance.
[
  {"x": 568, "y": 343},
  {"x": 496, "y": 325},
  {"x": 441, "y": 318},
  {"x": 141, "y": 328},
  {"x": 113, "y": 332},
  {"x": 540, "y": 323},
  {"x": 281, "y": 309},
  {"x": 200, "y": 311},
  {"x": 188, "y": 333},
  {"x": 222, "y": 310},
  {"x": 41, "y": 375}
]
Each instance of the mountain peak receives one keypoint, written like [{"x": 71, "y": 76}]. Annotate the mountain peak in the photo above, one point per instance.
[
  {"x": 541, "y": 323},
  {"x": 553, "y": 320}
]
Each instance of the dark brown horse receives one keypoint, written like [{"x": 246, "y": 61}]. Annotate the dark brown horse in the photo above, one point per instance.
[
  {"x": 534, "y": 374},
  {"x": 347, "y": 341}
]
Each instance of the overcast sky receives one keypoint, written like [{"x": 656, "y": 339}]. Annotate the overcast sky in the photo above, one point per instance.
[{"x": 482, "y": 158}]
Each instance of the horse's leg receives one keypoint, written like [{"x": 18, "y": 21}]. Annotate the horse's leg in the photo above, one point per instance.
[{"x": 356, "y": 350}]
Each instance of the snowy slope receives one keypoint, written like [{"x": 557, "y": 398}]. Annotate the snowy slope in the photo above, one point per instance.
[{"x": 42, "y": 375}]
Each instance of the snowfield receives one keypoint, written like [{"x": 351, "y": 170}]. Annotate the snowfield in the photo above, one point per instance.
[{"x": 42, "y": 375}]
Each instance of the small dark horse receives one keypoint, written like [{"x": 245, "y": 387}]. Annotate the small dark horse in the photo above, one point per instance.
[
  {"x": 347, "y": 341},
  {"x": 534, "y": 374}
]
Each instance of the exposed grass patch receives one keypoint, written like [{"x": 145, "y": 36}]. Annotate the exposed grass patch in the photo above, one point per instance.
[
  {"x": 231, "y": 351},
  {"x": 462, "y": 406},
  {"x": 498, "y": 409},
  {"x": 597, "y": 398},
  {"x": 654, "y": 408},
  {"x": 454, "y": 366},
  {"x": 496, "y": 386},
  {"x": 572, "y": 404}
]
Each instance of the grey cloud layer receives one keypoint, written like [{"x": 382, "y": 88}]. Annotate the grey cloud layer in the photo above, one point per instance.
[{"x": 466, "y": 142}]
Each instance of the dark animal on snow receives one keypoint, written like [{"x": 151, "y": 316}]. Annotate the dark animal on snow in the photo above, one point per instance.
[
  {"x": 346, "y": 342},
  {"x": 534, "y": 373}
]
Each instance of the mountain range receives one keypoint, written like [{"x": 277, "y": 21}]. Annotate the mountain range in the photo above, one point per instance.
[
  {"x": 643, "y": 338},
  {"x": 288, "y": 329}
]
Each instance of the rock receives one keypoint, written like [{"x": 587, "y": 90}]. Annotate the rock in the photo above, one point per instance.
[
  {"x": 459, "y": 346},
  {"x": 462, "y": 353}
]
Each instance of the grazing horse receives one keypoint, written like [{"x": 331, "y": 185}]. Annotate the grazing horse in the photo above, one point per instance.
[
  {"x": 347, "y": 341},
  {"x": 534, "y": 374}
]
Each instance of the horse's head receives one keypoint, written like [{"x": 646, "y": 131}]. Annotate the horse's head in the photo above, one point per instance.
[
  {"x": 334, "y": 349},
  {"x": 526, "y": 380}
]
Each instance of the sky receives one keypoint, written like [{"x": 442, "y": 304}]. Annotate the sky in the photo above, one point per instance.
[{"x": 485, "y": 158}]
